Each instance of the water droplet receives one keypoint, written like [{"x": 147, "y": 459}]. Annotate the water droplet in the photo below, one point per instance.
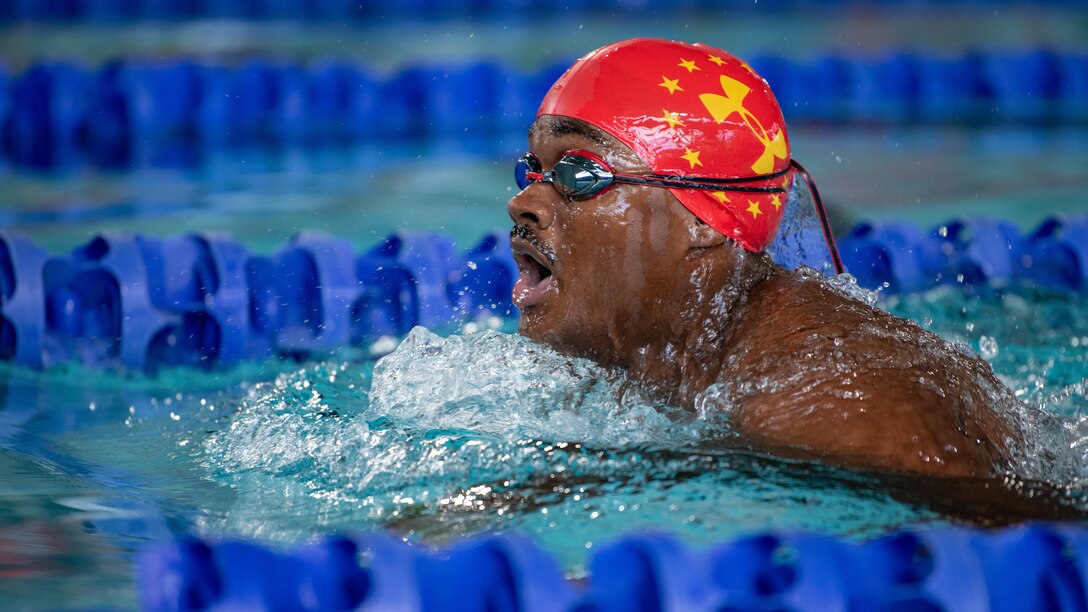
[{"x": 987, "y": 347}]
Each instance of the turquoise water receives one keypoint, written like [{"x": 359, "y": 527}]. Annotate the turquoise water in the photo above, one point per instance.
[{"x": 472, "y": 429}]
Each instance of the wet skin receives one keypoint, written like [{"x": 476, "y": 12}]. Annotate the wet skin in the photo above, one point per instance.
[{"x": 632, "y": 279}]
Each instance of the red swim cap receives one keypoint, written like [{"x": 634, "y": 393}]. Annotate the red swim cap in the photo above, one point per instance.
[{"x": 687, "y": 110}]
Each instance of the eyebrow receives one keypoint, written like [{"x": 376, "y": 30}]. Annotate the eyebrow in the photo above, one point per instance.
[{"x": 563, "y": 126}]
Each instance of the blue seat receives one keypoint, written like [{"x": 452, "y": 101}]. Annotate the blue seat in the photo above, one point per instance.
[
  {"x": 461, "y": 100},
  {"x": 1024, "y": 85},
  {"x": 179, "y": 575},
  {"x": 403, "y": 101},
  {"x": 517, "y": 97},
  {"x": 1073, "y": 93},
  {"x": 927, "y": 570},
  {"x": 950, "y": 90},
  {"x": 432, "y": 263},
  {"x": 646, "y": 573},
  {"x": 342, "y": 101},
  {"x": 110, "y": 136},
  {"x": 5, "y": 99},
  {"x": 834, "y": 79},
  {"x": 1032, "y": 563},
  {"x": 331, "y": 578},
  {"x": 394, "y": 577},
  {"x": 494, "y": 573},
  {"x": 791, "y": 572},
  {"x": 973, "y": 252},
  {"x": 265, "y": 309},
  {"x": 885, "y": 88},
  {"x": 878, "y": 253},
  {"x": 47, "y": 109},
  {"x": 486, "y": 284},
  {"x": 267, "y": 102},
  {"x": 214, "y": 114},
  {"x": 158, "y": 10},
  {"x": 22, "y": 295},
  {"x": 256, "y": 578},
  {"x": 202, "y": 278},
  {"x": 788, "y": 81},
  {"x": 317, "y": 287},
  {"x": 99, "y": 305},
  {"x": 1056, "y": 253}
]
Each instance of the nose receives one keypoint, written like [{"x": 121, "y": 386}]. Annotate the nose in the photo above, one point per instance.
[{"x": 533, "y": 206}]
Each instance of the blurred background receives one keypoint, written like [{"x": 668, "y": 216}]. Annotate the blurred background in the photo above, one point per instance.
[{"x": 264, "y": 117}]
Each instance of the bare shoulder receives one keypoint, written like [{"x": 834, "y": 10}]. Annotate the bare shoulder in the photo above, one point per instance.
[{"x": 821, "y": 374}]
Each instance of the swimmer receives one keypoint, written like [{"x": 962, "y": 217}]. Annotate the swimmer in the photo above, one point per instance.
[{"x": 656, "y": 175}]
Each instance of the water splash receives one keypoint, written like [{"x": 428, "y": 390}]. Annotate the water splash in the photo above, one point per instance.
[
  {"x": 987, "y": 347},
  {"x": 847, "y": 285},
  {"x": 441, "y": 414},
  {"x": 490, "y": 431},
  {"x": 485, "y": 431},
  {"x": 514, "y": 388}
]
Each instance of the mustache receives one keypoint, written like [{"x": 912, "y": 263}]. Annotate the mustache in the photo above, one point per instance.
[{"x": 526, "y": 233}]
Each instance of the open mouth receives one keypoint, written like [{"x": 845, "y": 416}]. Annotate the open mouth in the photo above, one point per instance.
[{"x": 535, "y": 276}]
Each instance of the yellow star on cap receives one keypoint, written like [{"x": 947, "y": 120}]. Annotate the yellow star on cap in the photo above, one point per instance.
[
  {"x": 776, "y": 202},
  {"x": 671, "y": 84},
  {"x": 721, "y": 196},
  {"x": 745, "y": 65},
  {"x": 692, "y": 157},
  {"x": 673, "y": 119},
  {"x": 717, "y": 60},
  {"x": 754, "y": 209},
  {"x": 690, "y": 65}
]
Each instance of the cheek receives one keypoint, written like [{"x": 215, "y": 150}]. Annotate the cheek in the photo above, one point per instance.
[{"x": 625, "y": 253}]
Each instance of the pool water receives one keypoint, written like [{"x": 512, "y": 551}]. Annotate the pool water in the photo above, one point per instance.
[{"x": 472, "y": 429}]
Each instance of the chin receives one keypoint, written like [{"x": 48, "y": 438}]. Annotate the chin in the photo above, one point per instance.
[
  {"x": 572, "y": 342},
  {"x": 531, "y": 324}
]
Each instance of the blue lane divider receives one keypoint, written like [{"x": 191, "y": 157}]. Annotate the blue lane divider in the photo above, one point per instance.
[
  {"x": 969, "y": 252},
  {"x": 1057, "y": 253},
  {"x": 203, "y": 300},
  {"x": 53, "y": 111},
  {"x": 1029, "y": 567},
  {"x": 111, "y": 11}
]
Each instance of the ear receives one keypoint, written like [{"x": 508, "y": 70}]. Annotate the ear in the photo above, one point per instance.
[{"x": 703, "y": 236}]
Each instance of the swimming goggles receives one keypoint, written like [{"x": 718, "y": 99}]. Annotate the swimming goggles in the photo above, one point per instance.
[{"x": 581, "y": 175}]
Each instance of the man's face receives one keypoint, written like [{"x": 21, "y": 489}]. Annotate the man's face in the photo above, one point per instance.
[{"x": 599, "y": 277}]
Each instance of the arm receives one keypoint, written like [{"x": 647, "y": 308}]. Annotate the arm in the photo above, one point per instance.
[{"x": 834, "y": 379}]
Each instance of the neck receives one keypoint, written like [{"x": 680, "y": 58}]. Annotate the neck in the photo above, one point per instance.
[{"x": 688, "y": 356}]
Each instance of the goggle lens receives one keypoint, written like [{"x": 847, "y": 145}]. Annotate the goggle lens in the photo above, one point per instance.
[
  {"x": 578, "y": 176},
  {"x": 526, "y": 165},
  {"x": 575, "y": 175}
]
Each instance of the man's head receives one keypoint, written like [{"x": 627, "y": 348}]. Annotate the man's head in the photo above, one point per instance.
[
  {"x": 692, "y": 111},
  {"x": 607, "y": 274}
]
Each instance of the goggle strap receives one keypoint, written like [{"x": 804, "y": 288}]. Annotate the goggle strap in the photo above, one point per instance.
[
  {"x": 716, "y": 181},
  {"x": 825, "y": 225},
  {"x": 693, "y": 184},
  {"x": 683, "y": 182}
]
